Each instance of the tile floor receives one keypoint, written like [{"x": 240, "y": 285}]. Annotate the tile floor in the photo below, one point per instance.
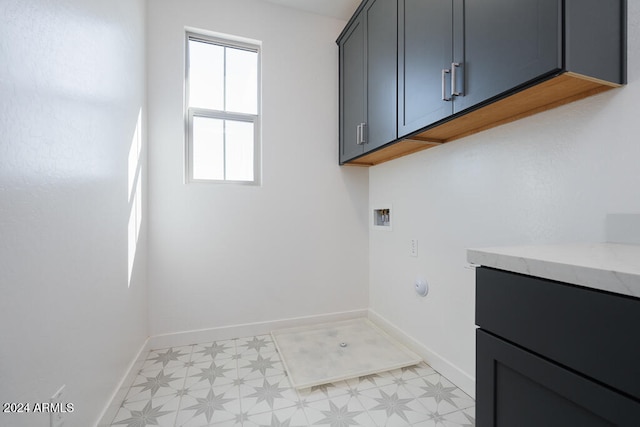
[{"x": 242, "y": 382}]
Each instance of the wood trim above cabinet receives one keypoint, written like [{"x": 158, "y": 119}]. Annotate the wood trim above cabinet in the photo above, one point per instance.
[{"x": 556, "y": 91}]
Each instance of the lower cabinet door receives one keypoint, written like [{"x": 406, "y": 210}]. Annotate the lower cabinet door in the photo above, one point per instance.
[{"x": 518, "y": 388}]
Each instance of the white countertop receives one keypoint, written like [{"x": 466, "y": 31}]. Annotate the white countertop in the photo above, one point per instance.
[{"x": 609, "y": 267}]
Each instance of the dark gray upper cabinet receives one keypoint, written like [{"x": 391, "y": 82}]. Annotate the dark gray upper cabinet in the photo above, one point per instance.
[
  {"x": 425, "y": 49},
  {"x": 595, "y": 39},
  {"x": 352, "y": 90},
  {"x": 506, "y": 44},
  {"x": 464, "y": 66},
  {"x": 368, "y": 79},
  {"x": 382, "y": 36},
  {"x": 454, "y": 55}
]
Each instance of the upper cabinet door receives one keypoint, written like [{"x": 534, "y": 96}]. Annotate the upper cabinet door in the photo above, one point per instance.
[
  {"x": 352, "y": 91},
  {"x": 504, "y": 44},
  {"x": 382, "y": 36},
  {"x": 463, "y": 66},
  {"x": 425, "y": 40}
]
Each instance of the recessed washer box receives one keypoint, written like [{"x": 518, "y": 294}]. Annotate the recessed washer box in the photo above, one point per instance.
[{"x": 381, "y": 217}]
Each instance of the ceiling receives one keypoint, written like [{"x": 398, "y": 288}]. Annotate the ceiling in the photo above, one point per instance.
[{"x": 341, "y": 9}]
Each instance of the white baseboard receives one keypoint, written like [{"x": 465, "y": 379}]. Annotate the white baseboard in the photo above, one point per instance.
[
  {"x": 454, "y": 374},
  {"x": 110, "y": 411},
  {"x": 246, "y": 329}
]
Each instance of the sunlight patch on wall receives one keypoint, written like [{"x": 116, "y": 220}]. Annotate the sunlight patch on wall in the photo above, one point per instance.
[{"x": 135, "y": 195}]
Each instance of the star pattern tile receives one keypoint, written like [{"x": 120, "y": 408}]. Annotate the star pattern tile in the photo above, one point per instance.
[
  {"x": 339, "y": 416},
  {"x": 343, "y": 411},
  {"x": 159, "y": 411},
  {"x": 211, "y": 373},
  {"x": 154, "y": 384},
  {"x": 289, "y": 417},
  {"x": 209, "y": 404},
  {"x": 147, "y": 416},
  {"x": 470, "y": 420},
  {"x": 392, "y": 404},
  {"x": 268, "y": 392},
  {"x": 464, "y": 418},
  {"x": 256, "y": 344},
  {"x": 243, "y": 383},
  {"x": 275, "y": 422},
  {"x": 261, "y": 364},
  {"x": 164, "y": 358},
  {"x": 437, "y": 394},
  {"x": 215, "y": 350},
  {"x": 241, "y": 418}
]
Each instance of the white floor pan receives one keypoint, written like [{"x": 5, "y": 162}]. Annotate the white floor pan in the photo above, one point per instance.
[{"x": 330, "y": 352}]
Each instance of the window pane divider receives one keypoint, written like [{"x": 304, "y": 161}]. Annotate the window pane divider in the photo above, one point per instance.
[{"x": 225, "y": 115}]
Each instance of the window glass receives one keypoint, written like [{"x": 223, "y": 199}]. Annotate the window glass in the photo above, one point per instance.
[
  {"x": 241, "y": 82},
  {"x": 239, "y": 152},
  {"x": 208, "y": 148},
  {"x": 206, "y": 75},
  {"x": 222, "y": 86}
]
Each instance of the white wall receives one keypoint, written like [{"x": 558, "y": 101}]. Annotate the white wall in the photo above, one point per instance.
[
  {"x": 72, "y": 86},
  {"x": 549, "y": 178},
  {"x": 222, "y": 255}
]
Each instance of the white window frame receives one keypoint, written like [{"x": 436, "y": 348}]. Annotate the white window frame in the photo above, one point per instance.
[{"x": 191, "y": 112}]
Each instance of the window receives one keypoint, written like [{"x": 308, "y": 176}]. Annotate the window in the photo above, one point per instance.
[{"x": 222, "y": 110}]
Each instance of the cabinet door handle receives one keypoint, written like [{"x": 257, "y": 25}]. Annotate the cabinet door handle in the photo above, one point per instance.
[
  {"x": 454, "y": 90},
  {"x": 360, "y": 137},
  {"x": 445, "y": 71}
]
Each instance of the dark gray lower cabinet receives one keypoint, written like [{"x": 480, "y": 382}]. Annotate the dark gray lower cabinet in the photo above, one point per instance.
[
  {"x": 519, "y": 388},
  {"x": 554, "y": 355}
]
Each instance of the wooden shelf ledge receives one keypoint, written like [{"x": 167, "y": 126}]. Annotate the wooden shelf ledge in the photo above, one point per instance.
[{"x": 556, "y": 91}]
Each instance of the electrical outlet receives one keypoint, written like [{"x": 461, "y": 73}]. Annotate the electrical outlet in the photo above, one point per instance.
[
  {"x": 413, "y": 251},
  {"x": 57, "y": 415}
]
